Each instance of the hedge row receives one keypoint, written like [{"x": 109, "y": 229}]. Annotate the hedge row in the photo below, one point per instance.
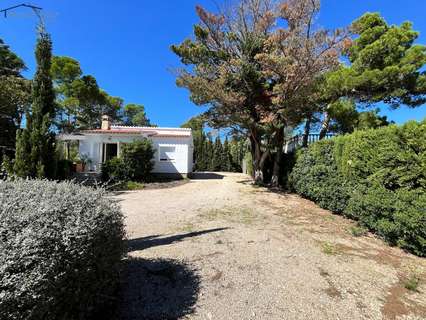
[
  {"x": 60, "y": 250},
  {"x": 377, "y": 177}
]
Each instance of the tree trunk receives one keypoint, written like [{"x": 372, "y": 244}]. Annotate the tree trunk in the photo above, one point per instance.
[
  {"x": 305, "y": 140},
  {"x": 258, "y": 158},
  {"x": 279, "y": 140},
  {"x": 325, "y": 124}
]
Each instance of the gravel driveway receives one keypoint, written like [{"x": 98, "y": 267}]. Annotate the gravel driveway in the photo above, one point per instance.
[{"x": 219, "y": 248}]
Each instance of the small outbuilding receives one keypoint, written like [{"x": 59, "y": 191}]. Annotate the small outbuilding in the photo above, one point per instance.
[{"x": 174, "y": 146}]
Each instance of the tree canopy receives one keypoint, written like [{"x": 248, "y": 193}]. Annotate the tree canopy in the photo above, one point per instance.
[{"x": 263, "y": 67}]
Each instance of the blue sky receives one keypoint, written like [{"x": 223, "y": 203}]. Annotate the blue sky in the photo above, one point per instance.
[{"x": 125, "y": 44}]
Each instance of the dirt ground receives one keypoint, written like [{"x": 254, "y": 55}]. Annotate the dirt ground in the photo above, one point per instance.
[{"x": 218, "y": 247}]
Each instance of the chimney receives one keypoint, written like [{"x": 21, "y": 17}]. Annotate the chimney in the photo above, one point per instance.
[{"x": 106, "y": 123}]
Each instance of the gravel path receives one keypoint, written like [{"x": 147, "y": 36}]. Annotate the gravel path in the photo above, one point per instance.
[{"x": 220, "y": 248}]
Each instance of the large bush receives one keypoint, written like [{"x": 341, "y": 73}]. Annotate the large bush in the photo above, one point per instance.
[
  {"x": 135, "y": 162},
  {"x": 60, "y": 250},
  {"x": 377, "y": 177},
  {"x": 315, "y": 176}
]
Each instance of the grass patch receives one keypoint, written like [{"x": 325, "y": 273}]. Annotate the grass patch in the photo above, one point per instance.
[
  {"x": 328, "y": 248},
  {"x": 133, "y": 185},
  {"x": 358, "y": 231},
  {"x": 412, "y": 283},
  {"x": 241, "y": 215},
  {"x": 330, "y": 218}
]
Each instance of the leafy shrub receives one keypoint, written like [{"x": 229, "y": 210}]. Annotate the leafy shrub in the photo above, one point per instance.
[
  {"x": 60, "y": 250},
  {"x": 134, "y": 164},
  {"x": 393, "y": 156},
  {"x": 114, "y": 170},
  {"x": 137, "y": 157},
  {"x": 376, "y": 176},
  {"x": 315, "y": 176}
]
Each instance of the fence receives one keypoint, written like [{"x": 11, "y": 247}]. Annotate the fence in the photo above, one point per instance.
[{"x": 297, "y": 141}]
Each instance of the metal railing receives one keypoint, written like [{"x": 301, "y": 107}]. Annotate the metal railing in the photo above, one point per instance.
[{"x": 297, "y": 141}]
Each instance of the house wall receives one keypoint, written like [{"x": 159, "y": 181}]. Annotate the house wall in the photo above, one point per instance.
[{"x": 182, "y": 164}]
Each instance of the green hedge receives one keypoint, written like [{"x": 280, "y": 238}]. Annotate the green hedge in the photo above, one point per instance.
[
  {"x": 60, "y": 250},
  {"x": 377, "y": 177}
]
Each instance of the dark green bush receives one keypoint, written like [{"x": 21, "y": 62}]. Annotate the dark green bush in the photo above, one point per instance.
[
  {"x": 315, "y": 176},
  {"x": 64, "y": 169},
  {"x": 114, "y": 170},
  {"x": 137, "y": 157},
  {"x": 134, "y": 164},
  {"x": 376, "y": 176},
  {"x": 60, "y": 250},
  {"x": 392, "y": 156}
]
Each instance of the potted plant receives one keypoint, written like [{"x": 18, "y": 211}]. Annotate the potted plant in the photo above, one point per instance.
[{"x": 82, "y": 162}]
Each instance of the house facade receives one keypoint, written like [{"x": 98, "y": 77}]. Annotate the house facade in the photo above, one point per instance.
[{"x": 173, "y": 146}]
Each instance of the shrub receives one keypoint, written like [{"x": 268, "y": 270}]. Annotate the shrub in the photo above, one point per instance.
[
  {"x": 393, "y": 156},
  {"x": 114, "y": 170},
  {"x": 134, "y": 164},
  {"x": 315, "y": 176},
  {"x": 64, "y": 169},
  {"x": 137, "y": 157},
  {"x": 376, "y": 176},
  {"x": 60, "y": 250}
]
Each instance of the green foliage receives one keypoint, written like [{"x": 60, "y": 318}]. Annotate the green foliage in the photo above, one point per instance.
[
  {"x": 10, "y": 63},
  {"x": 358, "y": 231},
  {"x": 375, "y": 176},
  {"x": 114, "y": 170},
  {"x": 135, "y": 115},
  {"x": 412, "y": 283},
  {"x": 135, "y": 162},
  {"x": 385, "y": 63},
  {"x": 15, "y": 94},
  {"x": 35, "y": 145},
  {"x": 137, "y": 157},
  {"x": 216, "y": 160},
  {"x": 64, "y": 169},
  {"x": 248, "y": 160},
  {"x": 391, "y": 156},
  {"x": 315, "y": 176},
  {"x": 133, "y": 185},
  {"x": 60, "y": 250}
]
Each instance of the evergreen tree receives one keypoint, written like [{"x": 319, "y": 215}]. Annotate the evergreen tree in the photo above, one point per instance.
[
  {"x": 209, "y": 154},
  {"x": 35, "y": 146},
  {"x": 226, "y": 157},
  {"x": 217, "y": 155},
  {"x": 237, "y": 151}
]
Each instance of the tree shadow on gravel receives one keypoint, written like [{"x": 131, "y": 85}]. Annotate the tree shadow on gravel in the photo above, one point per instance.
[
  {"x": 206, "y": 176},
  {"x": 155, "y": 240},
  {"x": 157, "y": 290}
]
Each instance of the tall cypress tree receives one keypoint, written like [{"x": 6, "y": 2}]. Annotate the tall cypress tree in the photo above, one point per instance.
[
  {"x": 217, "y": 155},
  {"x": 35, "y": 145},
  {"x": 209, "y": 154},
  {"x": 226, "y": 157}
]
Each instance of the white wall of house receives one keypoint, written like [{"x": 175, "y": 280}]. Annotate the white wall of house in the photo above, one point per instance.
[{"x": 173, "y": 154}]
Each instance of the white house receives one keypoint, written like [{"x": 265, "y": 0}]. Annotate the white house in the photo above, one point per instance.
[{"x": 174, "y": 146}]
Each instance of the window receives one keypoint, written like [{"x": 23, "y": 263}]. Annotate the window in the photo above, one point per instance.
[{"x": 167, "y": 153}]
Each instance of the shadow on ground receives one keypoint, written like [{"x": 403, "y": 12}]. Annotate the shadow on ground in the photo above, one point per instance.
[
  {"x": 206, "y": 176},
  {"x": 156, "y": 290},
  {"x": 155, "y": 240}
]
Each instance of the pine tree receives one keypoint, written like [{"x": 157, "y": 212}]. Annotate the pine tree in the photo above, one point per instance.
[{"x": 35, "y": 146}]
